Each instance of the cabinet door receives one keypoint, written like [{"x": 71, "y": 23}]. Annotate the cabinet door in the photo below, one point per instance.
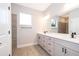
[
  {"x": 50, "y": 46},
  {"x": 70, "y": 52},
  {"x": 50, "y": 49},
  {"x": 40, "y": 40},
  {"x": 59, "y": 50}
]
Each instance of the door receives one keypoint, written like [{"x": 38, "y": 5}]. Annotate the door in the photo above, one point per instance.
[{"x": 5, "y": 29}]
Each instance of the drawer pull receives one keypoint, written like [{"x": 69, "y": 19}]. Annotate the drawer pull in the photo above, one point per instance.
[
  {"x": 49, "y": 43},
  {"x": 38, "y": 37},
  {"x": 49, "y": 50},
  {"x": 62, "y": 49},
  {"x": 49, "y": 39},
  {"x": 43, "y": 45}
]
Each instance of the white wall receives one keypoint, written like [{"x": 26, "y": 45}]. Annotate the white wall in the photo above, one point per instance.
[{"x": 27, "y": 36}]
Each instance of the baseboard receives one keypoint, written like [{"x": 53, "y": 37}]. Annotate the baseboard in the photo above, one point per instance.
[{"x": 26, "y": 45}]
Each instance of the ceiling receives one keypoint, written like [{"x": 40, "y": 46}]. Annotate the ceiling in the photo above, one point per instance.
[
  {"x": 36, "y": 6},
  {"x": 63, "y": 7}
]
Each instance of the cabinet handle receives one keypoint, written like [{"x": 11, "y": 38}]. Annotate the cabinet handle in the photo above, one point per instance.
[
  {"x": 49, "y": 39},
  {"x": 0, "y": 43},
  {"x": 49, "y": 43},
  {"x": 49, "y": 50},
  {"x": 38, "y": 37},
  {"x": 43, "y": 45},
  {"x": 62, "y": 49},
  {"x": 43, "y": 40},
  {"x": 65, "y": 51}
]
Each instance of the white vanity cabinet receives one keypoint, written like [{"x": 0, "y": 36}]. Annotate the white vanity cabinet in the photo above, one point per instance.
[
  {"x": 41, "y": 41},
  {"x": 59, "y": 50},
  {"x": 58, "y": 47},
  {"x": 49, "y": 45},
  {"x": 64, "y": 51},
  {"x": 65, "y": 48},
  {"x": 71, "y": 52},
  {"x": 46, "y": 43}
]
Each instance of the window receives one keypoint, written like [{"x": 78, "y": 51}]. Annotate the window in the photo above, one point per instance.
[{"x": 25, "y": 19}]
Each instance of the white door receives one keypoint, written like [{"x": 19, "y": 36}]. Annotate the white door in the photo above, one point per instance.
[{"x": 5, "y": 29}]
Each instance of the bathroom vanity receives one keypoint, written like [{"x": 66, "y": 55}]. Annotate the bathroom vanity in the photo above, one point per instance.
[{"x": 57, "y": 44}]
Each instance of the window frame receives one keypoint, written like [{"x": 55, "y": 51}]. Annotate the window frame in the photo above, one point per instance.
[{"x": 25, "y": 26}]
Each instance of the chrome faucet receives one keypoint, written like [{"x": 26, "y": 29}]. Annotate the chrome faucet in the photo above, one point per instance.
[{"x": 45, "y": 32}]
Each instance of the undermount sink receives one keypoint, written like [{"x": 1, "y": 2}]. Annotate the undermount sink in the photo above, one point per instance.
[
  {"x": 45, "y": 32},
  {"x": 76, "y": 36}
]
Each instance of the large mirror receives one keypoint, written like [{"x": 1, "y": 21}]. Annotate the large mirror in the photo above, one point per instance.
[
  {"x": 73, "y": 20},
  {"x": 68, "y": 22}
]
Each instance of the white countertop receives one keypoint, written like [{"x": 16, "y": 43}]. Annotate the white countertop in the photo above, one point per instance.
[{"x": 66, "y": 37}]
